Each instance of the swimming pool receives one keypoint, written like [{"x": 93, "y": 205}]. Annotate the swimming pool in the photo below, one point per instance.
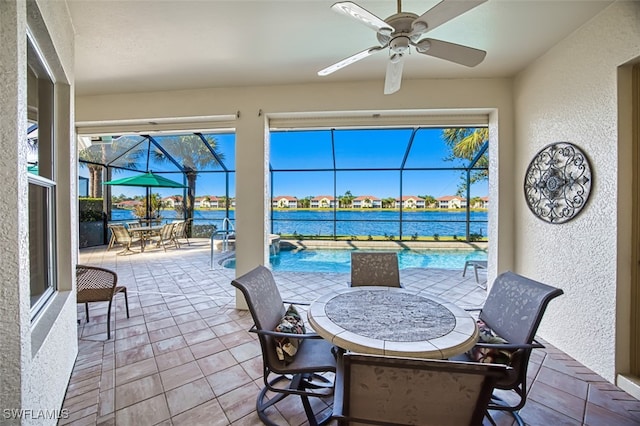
[{"x": 339, "y": 260}]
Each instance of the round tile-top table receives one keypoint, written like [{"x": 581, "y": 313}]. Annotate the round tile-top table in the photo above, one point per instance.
[{"x": 393, "y": 321}]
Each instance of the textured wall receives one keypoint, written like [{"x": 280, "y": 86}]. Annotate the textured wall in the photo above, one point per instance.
[
  {"x": 36, "y": 358},
  {"x": 13, "y": 237},
  {"x": 570, "y": 94}
]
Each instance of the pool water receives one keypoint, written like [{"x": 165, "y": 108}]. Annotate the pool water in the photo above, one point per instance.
[{"x": 336, "y": 260}]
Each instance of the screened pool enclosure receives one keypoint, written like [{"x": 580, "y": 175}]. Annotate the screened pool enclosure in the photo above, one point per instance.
[{"x": 337, "y": 184}]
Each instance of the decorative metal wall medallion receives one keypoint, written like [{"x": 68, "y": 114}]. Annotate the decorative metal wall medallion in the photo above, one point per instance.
[{"x": 558, "y": 182}]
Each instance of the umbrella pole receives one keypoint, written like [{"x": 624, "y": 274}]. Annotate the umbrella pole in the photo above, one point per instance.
[{"x": 148, "y": 212}]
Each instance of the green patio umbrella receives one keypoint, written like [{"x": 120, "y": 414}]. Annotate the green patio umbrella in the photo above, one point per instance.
[{"x": 148, "y": 179}]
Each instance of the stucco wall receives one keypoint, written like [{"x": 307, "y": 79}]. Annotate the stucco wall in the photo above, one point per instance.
[
  {"x": 570, "y": 94},
  {"x": 36, "y": 357}
]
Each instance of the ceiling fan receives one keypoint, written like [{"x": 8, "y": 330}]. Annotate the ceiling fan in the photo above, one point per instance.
[{"x": 400, "y": 31}]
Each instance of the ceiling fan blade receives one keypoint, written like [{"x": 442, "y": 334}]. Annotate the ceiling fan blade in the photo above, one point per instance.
[
  {"x": 443, "y": 12},
  {"x": 350, "y": 60},
  {"x": 393, "y": 78},
  {"x": 363, "y": 16},
  {"x": 457, "y": 53}
]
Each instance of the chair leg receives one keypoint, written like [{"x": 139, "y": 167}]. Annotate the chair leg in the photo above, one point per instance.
[
  {"x": 475, "y": 271},
  {"x": 464, "y": 271},
  {"x": 86, "y": 308},
  {"x": 109, "y": 320},
  {"x": 126, "y": 300}
]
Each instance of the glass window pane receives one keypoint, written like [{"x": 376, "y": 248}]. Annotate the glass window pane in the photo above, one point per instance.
[{"x": 40, "y": 237}]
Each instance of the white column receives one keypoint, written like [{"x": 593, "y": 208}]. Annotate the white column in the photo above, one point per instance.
[{"x": 252, "y": 194}]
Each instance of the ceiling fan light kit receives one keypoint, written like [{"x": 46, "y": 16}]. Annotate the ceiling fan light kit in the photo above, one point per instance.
[{"x": 402, "y": 30}]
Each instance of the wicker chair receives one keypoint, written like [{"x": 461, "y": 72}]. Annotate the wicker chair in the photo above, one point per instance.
[
  {"x": 513, "y": 310},
  {"x": 95, "y": 284},
  {"x": 383, "y": 390},
  {"x": 299, "y": 377},
  {"x": 374, "y": 268}
]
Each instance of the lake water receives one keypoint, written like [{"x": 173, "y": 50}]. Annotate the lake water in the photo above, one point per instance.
[
  {"x": 360, "y": 223},
  {"x": 330, "y": 260}
]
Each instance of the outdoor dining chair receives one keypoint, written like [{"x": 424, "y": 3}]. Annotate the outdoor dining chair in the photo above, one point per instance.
[
  {"x": 180, "y": 231},
  {"x": 374, "y": 268},
  {"x": 123, "y": 237},
  {"x": 384, "y": 390},
  {"x": 95, "y": 284},
  {"x": 309, "y": 374},
  {"x": 164, "y": 237},
  {"x": 510, "y": 318}
]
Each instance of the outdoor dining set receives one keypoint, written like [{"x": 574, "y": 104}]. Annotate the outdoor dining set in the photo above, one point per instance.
[
  {"x": 375, "y": 351},
  {"x": 383, "y": 355},
  {"x": 144, "y": 232}
]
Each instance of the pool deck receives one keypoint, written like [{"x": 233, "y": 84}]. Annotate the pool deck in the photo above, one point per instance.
[{"x": 185, "y": 356}]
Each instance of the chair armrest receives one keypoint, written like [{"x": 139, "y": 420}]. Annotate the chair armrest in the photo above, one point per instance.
[
  {"x": 296, "y": 303},
  {"x": 509, "y": 346},
  {"x": 280, "y": 334}
]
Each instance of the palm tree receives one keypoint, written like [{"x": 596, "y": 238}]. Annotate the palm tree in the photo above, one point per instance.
[
  {"x": 429, "y": 200},
  {"x": 193, "y": 156},
  {"x": 465, "y": 143}
]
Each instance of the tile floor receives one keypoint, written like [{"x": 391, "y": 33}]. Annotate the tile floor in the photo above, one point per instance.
[{"x": 185, "y": 357}]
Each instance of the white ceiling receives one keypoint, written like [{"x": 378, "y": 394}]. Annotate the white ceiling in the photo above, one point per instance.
[{"x": 145, "y": 45}]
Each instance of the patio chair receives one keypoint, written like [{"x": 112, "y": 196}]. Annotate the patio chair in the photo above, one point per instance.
[
  {"x": 123, "y": 237},
  {"x": 309, "y": 374},
  {"x": 411, "y": 391},
  {"x": 180, "y": 231},
  {"x": 165, "y": 236},
  {"x": 95, "y": 284},
  {"x": 476, "y": 264},
  {"x": 512, "y": 312},
  {"x": 374, "y": 268}
]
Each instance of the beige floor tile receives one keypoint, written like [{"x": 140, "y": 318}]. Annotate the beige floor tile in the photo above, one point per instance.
[
  {"x": 174, "y": 358},
  {"x": 148, "y": 412},
  {"x": 239, "y": 402},
  {"x": 208, "y": 414},
  {"x": 164, "y": 333},
  {"x": 168, "y": 345},
  {"x": 228, "y": 379},
  {"x": 136, "y": 371},
  {"x": 137, "y": 390},
  {"x": 188, "y": 396},
  {"x": 183, "y": 374},
  {"x": 216, "y": 362},
  {"x": 132, "y": 355}
]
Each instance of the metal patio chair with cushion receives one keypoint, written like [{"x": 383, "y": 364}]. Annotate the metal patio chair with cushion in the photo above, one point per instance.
[
  {"x": 95, "y": 284},
  {"x": 508, "y": 323},
  {"x": 385, "y": 390},
  {"x": 374, "y": 268},
  {"x": 123, "y": 237},
  {"x": 165, "y": 236},
  {"x": 309, "y": 372}
]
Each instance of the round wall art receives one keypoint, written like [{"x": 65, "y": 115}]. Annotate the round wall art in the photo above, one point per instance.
[{"x": 558, "y": 182}]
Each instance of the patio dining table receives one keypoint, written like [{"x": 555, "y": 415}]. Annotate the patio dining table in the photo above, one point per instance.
[
  {"x": 393, "y": 322},
  {"x": 145, "y": 231}
]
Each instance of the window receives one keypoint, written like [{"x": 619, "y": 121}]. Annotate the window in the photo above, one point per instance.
[{"x": 42, "y": 185}]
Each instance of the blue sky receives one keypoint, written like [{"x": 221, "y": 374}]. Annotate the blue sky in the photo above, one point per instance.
[{"x": 354, "y": 150}]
